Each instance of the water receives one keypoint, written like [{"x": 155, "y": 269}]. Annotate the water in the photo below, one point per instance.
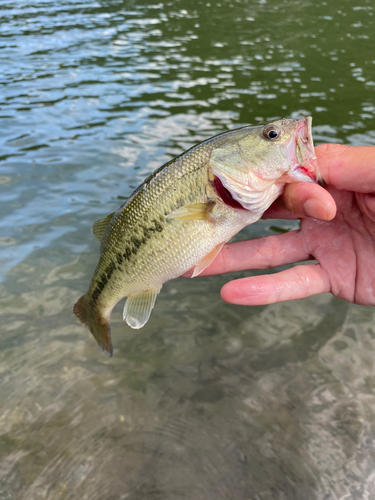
[{"x": 209, "y": 400}]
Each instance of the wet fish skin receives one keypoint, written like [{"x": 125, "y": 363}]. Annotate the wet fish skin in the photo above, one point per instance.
[{"x": 177, "y": 219}]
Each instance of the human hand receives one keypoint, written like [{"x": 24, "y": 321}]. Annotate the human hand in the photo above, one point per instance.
[{"x": 342, "y": 241}]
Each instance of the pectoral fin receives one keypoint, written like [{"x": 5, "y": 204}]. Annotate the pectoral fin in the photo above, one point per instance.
[
  {"x": 100, "y": 226},
  {"x": 206, "y": 261},
  {"x": 197, "y": 211},
  {"x": 138, "y": 308}
]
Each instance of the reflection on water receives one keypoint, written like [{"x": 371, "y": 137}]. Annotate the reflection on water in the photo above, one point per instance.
[{"x": 209, "y": 400}]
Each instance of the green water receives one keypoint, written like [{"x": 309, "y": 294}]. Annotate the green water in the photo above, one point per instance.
[{"x": 209, "y": 401}]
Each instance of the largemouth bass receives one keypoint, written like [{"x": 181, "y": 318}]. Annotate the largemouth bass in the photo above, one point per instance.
[{"x": 182, "y": 214}]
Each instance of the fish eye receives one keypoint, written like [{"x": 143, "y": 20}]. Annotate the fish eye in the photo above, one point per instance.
[{"x": 271, "y": 132}]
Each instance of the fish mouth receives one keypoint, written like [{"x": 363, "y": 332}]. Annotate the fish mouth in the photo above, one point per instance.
[{"x": 304, "y": 166}]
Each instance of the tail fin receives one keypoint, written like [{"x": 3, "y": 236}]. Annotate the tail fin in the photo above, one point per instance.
[{"x": 101, "y": 330}]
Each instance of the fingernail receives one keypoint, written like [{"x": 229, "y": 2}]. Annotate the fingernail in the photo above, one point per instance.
[{"x": 315, "y": 208}]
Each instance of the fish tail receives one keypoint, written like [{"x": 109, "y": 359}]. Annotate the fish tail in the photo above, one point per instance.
[{"x": 99, "y": 327}]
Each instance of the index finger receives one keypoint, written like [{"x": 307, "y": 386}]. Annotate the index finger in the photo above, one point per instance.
[
  {"x": 260, "y": 253},
  {"x": 347, "y": 167}
]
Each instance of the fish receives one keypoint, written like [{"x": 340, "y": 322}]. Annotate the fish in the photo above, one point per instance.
[{"x": 180, "y": 217}]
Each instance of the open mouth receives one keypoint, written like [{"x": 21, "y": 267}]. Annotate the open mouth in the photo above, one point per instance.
[
  {"x": 302, "y": 154},
  {"x": 305, "y": 152},
  {"x": 309, "y": 172}
]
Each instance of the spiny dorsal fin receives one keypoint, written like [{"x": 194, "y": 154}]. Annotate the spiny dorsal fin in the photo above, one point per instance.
[
  {"x": 138, "y": 308},
  {"x": 100, "y": 226}
]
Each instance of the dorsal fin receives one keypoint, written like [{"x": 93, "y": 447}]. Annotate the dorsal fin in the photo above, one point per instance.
[{"x": 100, "y": 226}]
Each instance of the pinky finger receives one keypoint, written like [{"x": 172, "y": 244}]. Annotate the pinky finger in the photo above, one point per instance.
[{"x": 294, "y": 283}]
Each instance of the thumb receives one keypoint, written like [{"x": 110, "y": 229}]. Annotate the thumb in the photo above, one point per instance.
[{"x": 305, "y": 199}]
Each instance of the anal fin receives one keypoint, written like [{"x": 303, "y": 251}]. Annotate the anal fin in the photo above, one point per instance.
[
  {"x": 138, "y": 308},
  {"x": 207, "y": 260}
]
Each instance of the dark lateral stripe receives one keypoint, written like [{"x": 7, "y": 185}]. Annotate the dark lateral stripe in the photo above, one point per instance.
[
  {"x": 125, "y": 256},
  {"x": 105, "y": 277}
]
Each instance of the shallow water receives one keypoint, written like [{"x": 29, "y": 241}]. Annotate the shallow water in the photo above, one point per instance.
[{"x": 209, "y": 400}]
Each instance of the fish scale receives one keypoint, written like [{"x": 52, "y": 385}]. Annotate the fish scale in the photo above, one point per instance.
[{"x": 178, "y": 218}]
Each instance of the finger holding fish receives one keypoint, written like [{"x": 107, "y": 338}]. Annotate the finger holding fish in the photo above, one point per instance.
[
  {"x": 276, "y": 250},
  {"x": 295, "y": 283},
  {"x": 303, "y": 200},
  {"x": 260, "y": 253}
]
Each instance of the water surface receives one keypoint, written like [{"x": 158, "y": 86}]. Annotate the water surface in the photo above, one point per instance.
[{"x": 209, "y": 400}]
